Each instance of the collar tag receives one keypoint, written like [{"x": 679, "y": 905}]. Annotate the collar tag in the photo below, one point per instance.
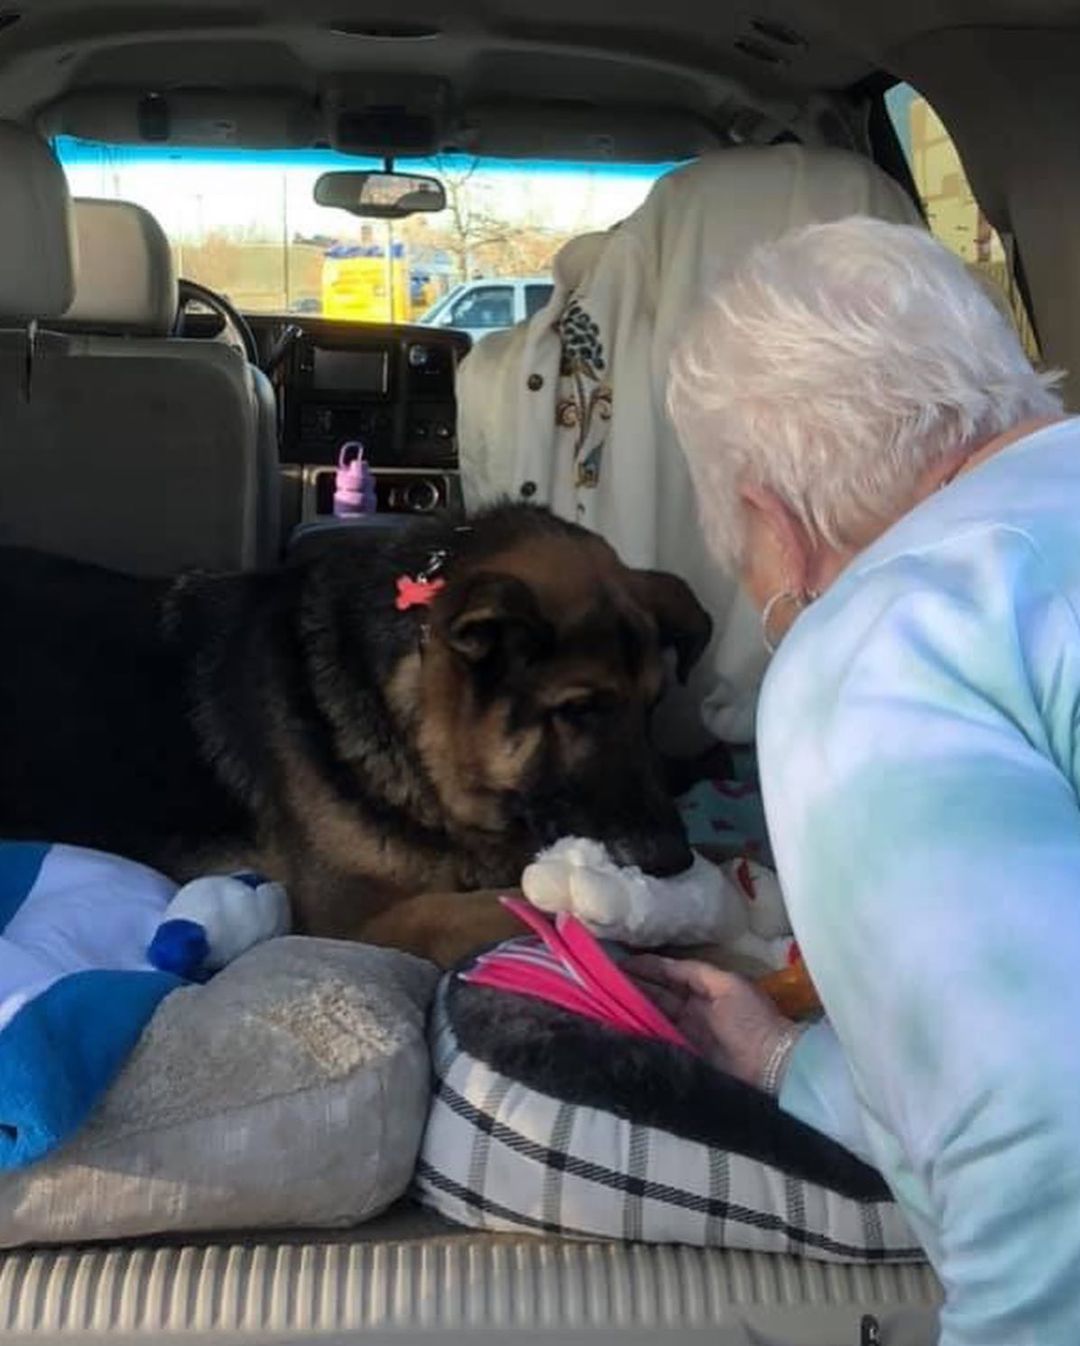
[{"x": 416, "y": 593}]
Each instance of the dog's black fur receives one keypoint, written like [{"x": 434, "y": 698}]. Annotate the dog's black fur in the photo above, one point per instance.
[{"x": 297, "y": 722}]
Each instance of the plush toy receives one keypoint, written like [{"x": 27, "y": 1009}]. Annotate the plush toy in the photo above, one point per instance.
[
  {"x": 213, "y": 920},
  {"x": 737, "y": 906}
]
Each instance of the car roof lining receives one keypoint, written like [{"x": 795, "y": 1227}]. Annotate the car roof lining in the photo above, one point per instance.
[
  {"x": 719, "y": 72},
  {"x": 586, "y": 79}
]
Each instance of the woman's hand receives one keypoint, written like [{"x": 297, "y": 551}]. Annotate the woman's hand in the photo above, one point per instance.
[{"x": 736, "y": 1027}]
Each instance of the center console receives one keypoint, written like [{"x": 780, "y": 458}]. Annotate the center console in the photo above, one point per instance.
[{"x": 391, "y": 388}]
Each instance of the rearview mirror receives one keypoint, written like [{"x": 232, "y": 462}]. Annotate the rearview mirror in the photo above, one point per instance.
[{"x": 380, "y": 196}]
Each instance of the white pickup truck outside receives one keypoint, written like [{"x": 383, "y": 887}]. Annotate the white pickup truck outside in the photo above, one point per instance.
[{"x": 482, "y": 306}]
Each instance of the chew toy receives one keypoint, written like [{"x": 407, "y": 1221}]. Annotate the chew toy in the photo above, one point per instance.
[{"x": 737, "y": 906}]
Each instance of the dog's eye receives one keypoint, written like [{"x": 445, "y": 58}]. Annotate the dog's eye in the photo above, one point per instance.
[{"x": 581, "y": 712}]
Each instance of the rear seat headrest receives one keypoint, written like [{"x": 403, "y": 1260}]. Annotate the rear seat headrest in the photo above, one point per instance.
[
  {"x": 37, "y": 247},
  {"x": 126, "y": 282}
]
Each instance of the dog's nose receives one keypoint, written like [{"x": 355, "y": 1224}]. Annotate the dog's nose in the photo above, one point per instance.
[{"x": 662, "y": 856}]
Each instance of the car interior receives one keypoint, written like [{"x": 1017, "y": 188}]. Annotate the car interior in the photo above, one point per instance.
[{"x": 150, "y": 424}]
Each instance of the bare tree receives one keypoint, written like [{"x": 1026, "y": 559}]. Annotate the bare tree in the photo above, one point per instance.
[
  {"x": 477, "y": 240},
  {"x": 470, "y": 225}
]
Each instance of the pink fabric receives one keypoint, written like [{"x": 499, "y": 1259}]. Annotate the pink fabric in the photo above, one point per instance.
[{"x": 565, "y": 965}]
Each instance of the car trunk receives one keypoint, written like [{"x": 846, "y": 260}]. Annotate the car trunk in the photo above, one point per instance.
[{"x": 408, "y": 1275}]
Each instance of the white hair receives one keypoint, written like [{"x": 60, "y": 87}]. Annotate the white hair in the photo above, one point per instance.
[{"x": 835, "y": 366}]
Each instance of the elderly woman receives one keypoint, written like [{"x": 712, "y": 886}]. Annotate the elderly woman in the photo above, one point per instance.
[{"x": 900, "y": 492}]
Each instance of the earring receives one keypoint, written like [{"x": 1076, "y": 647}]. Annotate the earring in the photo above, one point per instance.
[{"x": 800, "y": 600}]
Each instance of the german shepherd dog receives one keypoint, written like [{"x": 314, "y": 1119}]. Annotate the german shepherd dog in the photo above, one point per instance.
[{"x": 392, "y": 731}]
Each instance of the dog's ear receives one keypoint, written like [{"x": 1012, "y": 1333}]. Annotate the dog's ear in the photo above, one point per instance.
[
  {"x": 490, "y": 615},
  {"x": 683, "y": 624}
]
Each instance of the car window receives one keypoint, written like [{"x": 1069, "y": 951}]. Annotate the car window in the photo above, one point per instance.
[
  {"x": 244, "y": 223},
  {"x": 536, "y": 296},
  {"x": 486, "y": 306},
  {"x": 951, "y": 209}
]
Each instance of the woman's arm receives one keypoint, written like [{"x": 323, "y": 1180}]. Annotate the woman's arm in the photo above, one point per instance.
[
  {"x": 817, "y": 1088},
  {"x": 919, "y": 759},
  {"x": 962, "y": 1026},
  {"x": 738, "y": 1030}
]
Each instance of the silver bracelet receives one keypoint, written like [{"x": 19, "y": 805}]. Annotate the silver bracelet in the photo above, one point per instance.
[{"x": 773, "y": 1073}]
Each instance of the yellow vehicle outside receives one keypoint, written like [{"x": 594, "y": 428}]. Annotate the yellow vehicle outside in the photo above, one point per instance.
[{"x": 356, "y": 286}]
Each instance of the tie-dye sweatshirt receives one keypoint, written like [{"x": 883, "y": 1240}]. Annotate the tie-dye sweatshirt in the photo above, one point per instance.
[{"x": 919, "y": 739}]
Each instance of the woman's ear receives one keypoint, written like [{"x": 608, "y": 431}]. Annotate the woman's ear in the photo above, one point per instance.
[{"x": 778, "y": 552}]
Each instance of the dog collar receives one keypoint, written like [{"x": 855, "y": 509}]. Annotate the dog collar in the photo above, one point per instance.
[
  {"x": 419, "y": 590},
  {"x": 416, "y": 593}
]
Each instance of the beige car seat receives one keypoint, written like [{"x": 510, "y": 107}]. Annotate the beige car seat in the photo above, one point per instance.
[{"x": 120, "y": 445}]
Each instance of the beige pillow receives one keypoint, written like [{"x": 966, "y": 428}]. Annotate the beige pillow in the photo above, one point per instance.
[{"x": 292, "y": 1089}]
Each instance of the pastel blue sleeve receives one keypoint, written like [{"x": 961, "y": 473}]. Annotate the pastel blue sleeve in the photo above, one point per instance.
[
  {"x": 818, "y": 1089},
  {"x": 928, "y": 838}
]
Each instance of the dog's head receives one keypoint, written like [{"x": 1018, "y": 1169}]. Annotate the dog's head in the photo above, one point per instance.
[{"x": 544, "y": 661}]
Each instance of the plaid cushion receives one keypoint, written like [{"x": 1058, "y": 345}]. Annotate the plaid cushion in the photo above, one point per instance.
[{"x": 498, "y": 1155}]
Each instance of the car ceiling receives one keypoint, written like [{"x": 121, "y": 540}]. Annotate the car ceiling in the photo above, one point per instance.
[
  {"x": 569, "y": 78},
  {"x": 585, "y": 79}
]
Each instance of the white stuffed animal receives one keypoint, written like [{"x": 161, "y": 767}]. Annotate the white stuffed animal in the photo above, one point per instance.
[
  {"x": 213, "y": 920},
  {"x": 738, "y": 905}
]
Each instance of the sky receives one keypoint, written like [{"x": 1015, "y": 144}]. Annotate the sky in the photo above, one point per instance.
[
  {"x": 193, "y": 192},
  {"x": 899, "y": 100}
]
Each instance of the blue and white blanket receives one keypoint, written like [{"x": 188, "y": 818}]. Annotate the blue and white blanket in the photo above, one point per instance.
[{"x": 76, "y": 989}]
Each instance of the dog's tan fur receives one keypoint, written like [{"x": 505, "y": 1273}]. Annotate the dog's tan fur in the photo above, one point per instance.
[{"x": 396, "y": 770}]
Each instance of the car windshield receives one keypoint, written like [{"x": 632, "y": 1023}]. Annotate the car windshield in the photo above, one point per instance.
[{"x": 245, "y": 224}]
